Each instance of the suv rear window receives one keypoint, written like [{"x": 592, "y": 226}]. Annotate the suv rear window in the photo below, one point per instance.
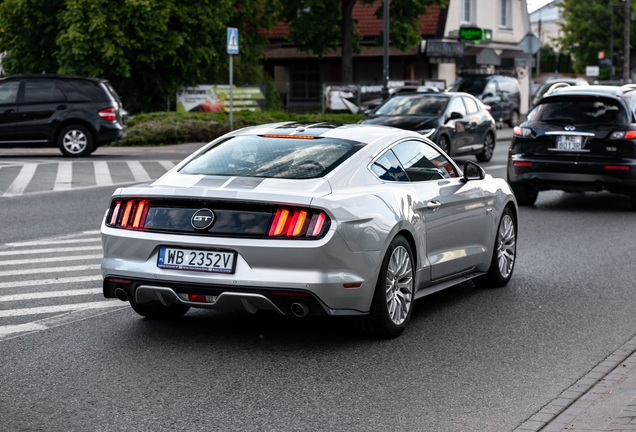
[
  {"x": 261, "y": 156},
  {"x": 420, "y": 104},
  {"x": 81, "y": 90},
  {"x": 474, "y": 86},
  {"x": 578, "y": 110}
]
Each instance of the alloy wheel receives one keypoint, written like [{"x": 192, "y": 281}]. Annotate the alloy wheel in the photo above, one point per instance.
[
  {"x": 74, "y": 141},
  {"x": 399, "y": 285},
  {"x": 506, "y": 246}
]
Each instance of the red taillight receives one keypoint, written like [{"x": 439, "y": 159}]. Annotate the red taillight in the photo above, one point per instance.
[
  {"x": 617, "y": 167},
  {"x": 631, "y": 134},
  {"x": 129, "y": 214},
  {"x": 297, "y": 223},
  {"x": 108, "y": 114},
  {"x": 522, "y": 164},
  {"x": 517, "y": 131},
  {"x": 197, "y": 298}
]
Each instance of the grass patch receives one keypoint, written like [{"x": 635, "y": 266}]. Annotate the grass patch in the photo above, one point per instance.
[{"x": 164, "y": 128}]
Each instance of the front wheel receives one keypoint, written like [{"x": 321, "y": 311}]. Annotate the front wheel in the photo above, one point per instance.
[
  {"x": 489, "y": 148},
  {"x": 392, "y": 302},
  {"x": 444, "y": 144},
  {"x": 75, "y": 141},
  {"x": 504, "y": 254}
]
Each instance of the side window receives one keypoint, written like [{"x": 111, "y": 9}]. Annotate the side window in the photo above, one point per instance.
[
  {"x": 9, "y": 92},
  {"x": 471, "y": 105},
  {"x": 422, "y": 162},
  {"x": 79, "y": 90},
  {"x": 42, "y": 91},
  {"x": 491, "y": 88},
  {"x": 387, "y": 167},
  {"x": 456, "y": 105}
]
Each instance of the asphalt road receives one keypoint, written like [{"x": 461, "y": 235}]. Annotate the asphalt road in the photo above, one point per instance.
[{"x": 470, "y": 360}]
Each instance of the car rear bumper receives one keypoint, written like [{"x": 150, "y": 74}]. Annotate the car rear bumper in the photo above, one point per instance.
[
  {"x": 274, "y": 270},
  {"x": 575, "y": 175},
  {"x": 109, "y": 132}
]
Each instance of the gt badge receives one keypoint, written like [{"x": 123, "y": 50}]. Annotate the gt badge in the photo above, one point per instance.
[{"x": 202, "y": 219}]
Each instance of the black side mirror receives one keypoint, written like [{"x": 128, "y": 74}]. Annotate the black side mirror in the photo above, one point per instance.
[
  {"x": 472, "y": 171},
  {"x": 488, "y": 95},
  {"x": 455, "y": 116}
]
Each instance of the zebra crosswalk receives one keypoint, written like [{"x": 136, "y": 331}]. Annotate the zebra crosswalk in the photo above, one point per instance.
[
  {"x": 49, "y": 282},
  {"x": 19, "y": 178}
]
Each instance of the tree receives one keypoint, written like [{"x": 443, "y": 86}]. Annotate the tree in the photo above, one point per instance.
[
  {"x": 552, "y": 60},
  {"x": 585, "y": 27},
  {"x": 146, "y": 48},
  {"x": 314, "y": 26}
]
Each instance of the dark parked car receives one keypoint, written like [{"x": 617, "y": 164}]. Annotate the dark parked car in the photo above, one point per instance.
[
  {"x": 501, "y": 93},
  {"x": 576, "y": 139},
  {"x": 457, "y": 122},
  {"x": 548, "y": 84},
  {"x": 76, "y": 114}
]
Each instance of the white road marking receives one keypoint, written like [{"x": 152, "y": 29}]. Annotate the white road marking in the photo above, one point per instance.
[
  {"x": 64, "y": 177},
  {"x": 49, "y": 270},
  {"x": 59, "y": 308},
  {"x": 23, "y": 179},
  {"x": 102, "y": 174},
  {"x": 47, "y": 242},
  {"x": 53, "y": 281},
  {"x": 168, "y": 165},
  {"x": 49, "y": 250},
  {"x": 21, "y": 328},
  {"x": 50, "y": 259},
  {"x": 50, "y": 294},
  {"x": 138, "y": 171}
]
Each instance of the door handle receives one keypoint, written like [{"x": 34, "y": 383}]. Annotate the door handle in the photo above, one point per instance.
[
  {"x": 433, "y": 205},
  {"x": 61, "y": 107}
]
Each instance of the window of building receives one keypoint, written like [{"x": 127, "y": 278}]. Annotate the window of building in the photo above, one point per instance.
[
  {"x": 468, "y": 12},
  {"x": 505, "y": 14},
  {"x": 305, "y": 83}
]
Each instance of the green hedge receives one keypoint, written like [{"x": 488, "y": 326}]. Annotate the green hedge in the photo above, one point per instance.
[{"x": 164, "y": 128}]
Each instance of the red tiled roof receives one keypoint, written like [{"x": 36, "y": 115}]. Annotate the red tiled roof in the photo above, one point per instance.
[{"x": 368, "y": 24}]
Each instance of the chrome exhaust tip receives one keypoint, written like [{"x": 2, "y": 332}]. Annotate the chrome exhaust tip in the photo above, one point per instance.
[
  {"x": 121, "y": 294},
  {"x": 299, "y": 309}
]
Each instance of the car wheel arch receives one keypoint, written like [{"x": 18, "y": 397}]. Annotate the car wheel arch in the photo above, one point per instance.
[{"x": 77, "y": 121}]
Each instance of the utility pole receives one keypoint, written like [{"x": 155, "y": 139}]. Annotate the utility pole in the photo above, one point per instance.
[
  {"x": 628, "y": 16},
  {"x": 539, "y": 52},
  {"x": 385, "y": 53}
]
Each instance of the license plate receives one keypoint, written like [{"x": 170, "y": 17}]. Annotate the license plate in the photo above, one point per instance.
[
  {"x": 196, "y": 260},
  {"x": 569, "y": 142}
]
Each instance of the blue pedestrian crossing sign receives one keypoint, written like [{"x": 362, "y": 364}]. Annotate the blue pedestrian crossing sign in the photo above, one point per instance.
[{"x": 232, "y": 41}]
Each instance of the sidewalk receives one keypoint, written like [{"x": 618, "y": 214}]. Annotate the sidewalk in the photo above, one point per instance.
[{"x": 603, "y": 400}]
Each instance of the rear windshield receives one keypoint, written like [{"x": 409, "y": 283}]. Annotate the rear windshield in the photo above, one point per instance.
[
  {"x": 474, "y": 86},
  {"x": 425, "y": 104},
  {"x": 579, "y": 110},
  {"x": 257, "y": 156}
]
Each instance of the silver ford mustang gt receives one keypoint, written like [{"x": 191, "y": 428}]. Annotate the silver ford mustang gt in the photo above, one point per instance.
[{"x": 309, "y": 219}]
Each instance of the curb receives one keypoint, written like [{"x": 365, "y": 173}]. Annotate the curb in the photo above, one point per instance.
[{"x": 558, "y": 415}]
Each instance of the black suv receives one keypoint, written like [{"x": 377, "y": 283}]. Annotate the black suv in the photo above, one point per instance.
[
  {"x": 76, "y": 114},
  {"x": 576, "y": 139},
  {"x": 500, "y": 93}
]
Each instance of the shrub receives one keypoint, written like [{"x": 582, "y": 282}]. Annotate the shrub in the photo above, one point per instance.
[{"x": 164, "y": 128}]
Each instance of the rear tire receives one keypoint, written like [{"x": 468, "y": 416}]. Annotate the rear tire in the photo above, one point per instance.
[
  {"x": 503, "y": 255},
  {"x": 159, "y": 311},
  {"x": 75, "y": 141},
  {"x": 526, "y": 195},
  {"x": 632, "y": 197},
  {"x": 489, "y": 148},
  {"x": 392, "y": 303}
]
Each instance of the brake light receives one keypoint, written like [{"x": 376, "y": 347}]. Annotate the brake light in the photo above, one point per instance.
[
  {"x": 617, "y": 167},
  {"x": 522, "y": 164},
  {"x": 297, "y": 223},
  {"x": 108, "y": 114},
  {"x": 129, "y": 214},
  {"x": 630, "y": 134},
  {"x": 519, "y": 131},
  {"x": 288, "y": 136}
]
